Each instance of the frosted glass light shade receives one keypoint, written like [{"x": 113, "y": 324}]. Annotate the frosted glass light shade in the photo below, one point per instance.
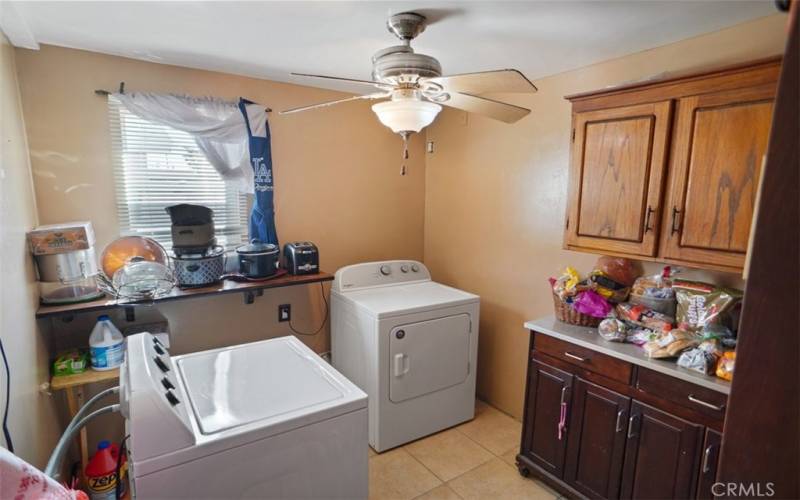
[{"x": 406, "y": 115}]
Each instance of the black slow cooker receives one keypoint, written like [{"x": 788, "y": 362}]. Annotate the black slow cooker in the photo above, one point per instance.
[{"x": 258, "y": 260}]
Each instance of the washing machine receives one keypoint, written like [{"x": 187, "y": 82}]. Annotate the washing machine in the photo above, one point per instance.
[
  {"x": 268, "y": 419},
  {"x": 410, "y": 343}
]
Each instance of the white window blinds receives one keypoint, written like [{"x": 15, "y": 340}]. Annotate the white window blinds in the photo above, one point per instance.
[{"x": 156, "y": 166}]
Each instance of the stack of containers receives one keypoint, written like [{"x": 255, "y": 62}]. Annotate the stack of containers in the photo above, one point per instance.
[{"x": 66, "y": 262}]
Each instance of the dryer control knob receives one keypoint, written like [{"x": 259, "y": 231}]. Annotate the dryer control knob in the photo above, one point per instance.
[
  {"x": 415, "y": 268},
  {"x": 404, "y": 268},
  {"x": 386, "y": 270}
]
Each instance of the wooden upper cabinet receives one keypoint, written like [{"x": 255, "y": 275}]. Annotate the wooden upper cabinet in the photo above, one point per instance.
[
  {"x": 669, "y": 170},
  {"x": 720, "y": 143},
  {"x": 618, "y": 163}
]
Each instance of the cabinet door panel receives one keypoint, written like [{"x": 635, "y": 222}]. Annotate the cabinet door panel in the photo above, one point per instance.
[
  {"x": 618, "y": 158},
  {"x": 661, "y": 455},
  {"x": 720, "y": 142},
  {"x": 596, "y": 442},
  {"x": 548, "y": 388}
]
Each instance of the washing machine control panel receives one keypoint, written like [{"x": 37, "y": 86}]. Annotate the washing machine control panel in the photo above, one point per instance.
[
  {"x": 389, "y": 272},
  {"x": 153, "y": 401}
]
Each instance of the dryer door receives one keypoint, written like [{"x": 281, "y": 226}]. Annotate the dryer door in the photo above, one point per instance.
[{"x": 428, "y": 356}]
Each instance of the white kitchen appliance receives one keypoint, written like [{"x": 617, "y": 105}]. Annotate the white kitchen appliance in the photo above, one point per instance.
[
  {"x": 268, "y": 419},
  {"x": 411, "y": 344}
]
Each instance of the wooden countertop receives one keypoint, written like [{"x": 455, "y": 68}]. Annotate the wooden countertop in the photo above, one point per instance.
[{"x": 589, "y": 338}]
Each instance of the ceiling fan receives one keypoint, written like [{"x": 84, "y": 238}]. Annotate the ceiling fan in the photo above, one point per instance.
[{"x": 416, "y": 90}]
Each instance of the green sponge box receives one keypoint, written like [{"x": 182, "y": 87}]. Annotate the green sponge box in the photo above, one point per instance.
[{"x": 71, "y": 362}]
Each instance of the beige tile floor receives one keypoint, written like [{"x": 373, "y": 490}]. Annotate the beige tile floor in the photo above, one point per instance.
[{"x": 474, "y": 460}]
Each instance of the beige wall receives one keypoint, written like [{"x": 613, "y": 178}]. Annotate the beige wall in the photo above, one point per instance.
[
  {"x": 496, "y": 196},
  {"x": 32, "y": 417},
  {"x": 336, "y": 176}
]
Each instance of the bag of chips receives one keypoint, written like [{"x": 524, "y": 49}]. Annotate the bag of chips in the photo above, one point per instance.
[
  {"x": 702, "y": 304},
  {"x": 725, "y": 365}
]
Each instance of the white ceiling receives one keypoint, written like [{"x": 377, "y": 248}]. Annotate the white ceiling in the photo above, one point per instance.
[{"x": 271, "y": 39}]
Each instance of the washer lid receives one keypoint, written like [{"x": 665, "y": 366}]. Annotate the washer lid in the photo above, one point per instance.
[
  {"x": 269, "y": 383},
  {"x": 394, "y": 300}
]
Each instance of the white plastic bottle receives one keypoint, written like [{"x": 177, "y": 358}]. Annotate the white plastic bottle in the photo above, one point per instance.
[{"x": 106, "y": 345}]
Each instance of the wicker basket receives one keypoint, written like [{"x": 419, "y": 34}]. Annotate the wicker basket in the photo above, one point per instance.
[{"x": 566, "y": 313}]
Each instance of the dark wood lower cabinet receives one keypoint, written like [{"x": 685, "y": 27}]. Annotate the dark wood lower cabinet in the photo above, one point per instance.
[
  {"x": 708, "y": 468},
  {"x": 596, "y": 441},
  {"x": 548, "y": 388},
  {"x": 661, "y": 455},
  {"x": 639, "y": 439}
]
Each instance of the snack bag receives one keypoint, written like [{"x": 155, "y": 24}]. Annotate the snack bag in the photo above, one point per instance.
[
  {"x": 567, "y": 284},
  {"x": 607, "y": 287},
  {"x": 641, "y": 336},
  {"x": 590, "y": 303},
  {"x": 642, "y": 316},
  {"x": 701, "y": 304},
  {"x": 702, "y": 358},
  {"x": 725, "y": 365}
]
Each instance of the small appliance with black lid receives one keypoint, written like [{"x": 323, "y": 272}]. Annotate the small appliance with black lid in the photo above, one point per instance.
[
  {"x": 301, "y": 257},
  {"x": 199, "y": 261},
  {"x": 258, "y": 260}
]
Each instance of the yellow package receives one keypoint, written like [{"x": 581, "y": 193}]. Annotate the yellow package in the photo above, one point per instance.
[{"x": 725, "y": 365}]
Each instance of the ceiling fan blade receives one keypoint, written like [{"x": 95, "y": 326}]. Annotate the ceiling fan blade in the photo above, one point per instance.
[
  {"x": 502, "y": 111},
  {"x": 377, "y": 95},
  {"x": 484, "y": 82},
  {"x": 349, "y": 80}
]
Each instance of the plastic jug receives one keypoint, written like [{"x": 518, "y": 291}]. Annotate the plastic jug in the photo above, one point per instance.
[
  {"x": 101, "y": 472},
  {"x": 106, "y": 345}
]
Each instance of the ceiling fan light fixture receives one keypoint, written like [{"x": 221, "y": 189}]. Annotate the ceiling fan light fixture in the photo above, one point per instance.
[{"x": 406, "y": 115}]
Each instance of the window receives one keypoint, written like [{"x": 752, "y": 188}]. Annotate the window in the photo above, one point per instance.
[{"x": 156, "y": 166}]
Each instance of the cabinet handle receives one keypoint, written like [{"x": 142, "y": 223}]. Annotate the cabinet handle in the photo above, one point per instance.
[
  {"x": 706, "y": 455},
  {"x": 575, "y": 356},
  {"x": 562, "y": 417},
  {"x": 620, "y": 414},
  {"x": 631, "y": 426},
  {"x": 707, "y": 405},
  {"x": 675, "y": 214},
  {"x": 647, "y": 226}
]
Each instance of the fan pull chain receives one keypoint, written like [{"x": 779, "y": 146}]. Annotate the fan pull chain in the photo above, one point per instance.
[{"x": 405, "y": 153}]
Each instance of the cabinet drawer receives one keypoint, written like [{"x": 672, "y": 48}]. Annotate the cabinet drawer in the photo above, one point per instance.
[
  {"x": 588, "y": 359},
  {"x": 686, "y": 394}
]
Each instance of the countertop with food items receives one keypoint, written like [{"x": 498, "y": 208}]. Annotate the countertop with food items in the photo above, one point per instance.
[
  {"x": 587, "y": 337},
  {"x": 688, "y": 326}
]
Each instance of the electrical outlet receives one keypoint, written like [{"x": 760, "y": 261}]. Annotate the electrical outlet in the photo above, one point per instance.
[{"x": 284, "y": 312}]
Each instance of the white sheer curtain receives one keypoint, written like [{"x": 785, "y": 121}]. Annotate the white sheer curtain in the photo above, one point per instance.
[{"x": 217, "y": 126}]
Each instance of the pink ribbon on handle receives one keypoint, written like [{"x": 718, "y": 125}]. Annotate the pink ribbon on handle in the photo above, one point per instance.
[{"x": 562, "y": 421}]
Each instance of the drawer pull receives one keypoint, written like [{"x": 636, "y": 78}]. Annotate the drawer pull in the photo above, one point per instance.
[
  {"x": 706, "y": 455},
  {"x": 620, "y": 414},
  {"x": 575, "y": 357},
  {"x": 707, "y": 405}
]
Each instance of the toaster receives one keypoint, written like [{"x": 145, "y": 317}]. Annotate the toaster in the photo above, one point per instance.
[{"x": 301, "y": 257}]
